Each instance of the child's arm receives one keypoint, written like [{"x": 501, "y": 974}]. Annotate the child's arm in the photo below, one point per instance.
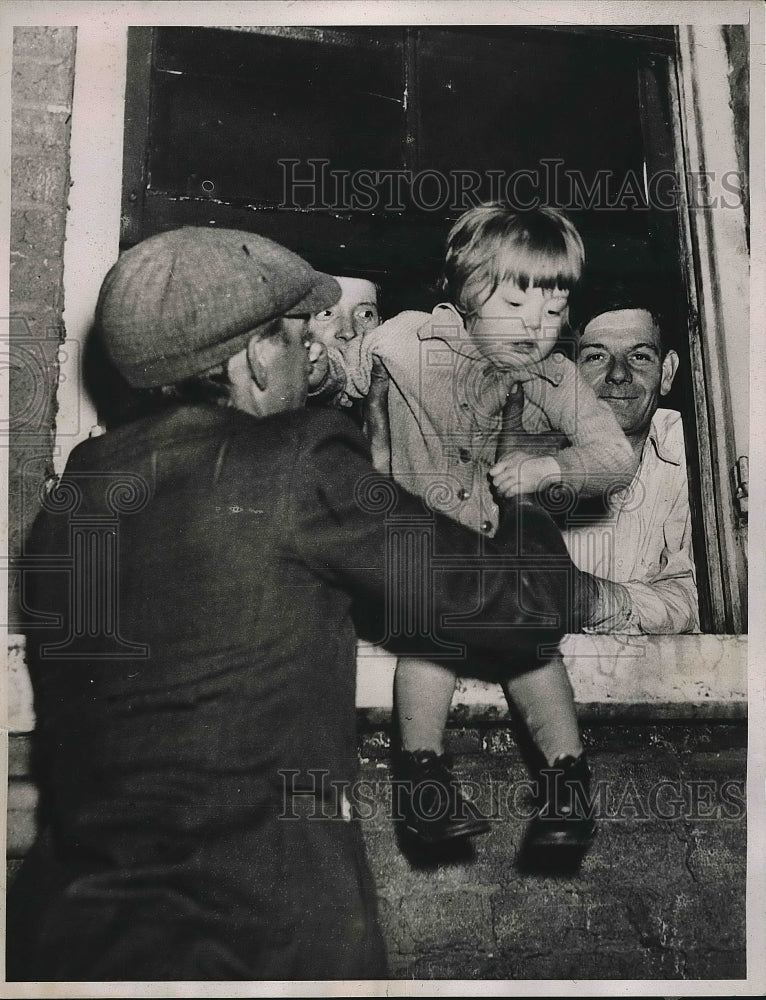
[{"x": 599, "y": 456}]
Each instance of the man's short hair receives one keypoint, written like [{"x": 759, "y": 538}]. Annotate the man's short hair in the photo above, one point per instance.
[{"x": 594, "y": 298}]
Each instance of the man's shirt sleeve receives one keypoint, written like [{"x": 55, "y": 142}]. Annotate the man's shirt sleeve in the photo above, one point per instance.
[
  {"x": 657, "y": 589},
  {"x": 664, "y": 603}
]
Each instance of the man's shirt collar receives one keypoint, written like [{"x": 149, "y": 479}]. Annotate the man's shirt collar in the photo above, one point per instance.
[{"x": 667, "y": 443}]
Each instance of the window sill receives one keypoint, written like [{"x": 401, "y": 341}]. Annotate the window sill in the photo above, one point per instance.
[{"x": 617, "y": 677}]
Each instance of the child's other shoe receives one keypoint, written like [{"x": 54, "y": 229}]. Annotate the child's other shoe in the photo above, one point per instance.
[
  {"x": 430, "y": 800},
  {"x": 564, "y": 826}
]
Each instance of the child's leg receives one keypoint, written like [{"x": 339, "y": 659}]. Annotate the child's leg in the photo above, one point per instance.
[
  {"x": 545, "y": 699},
  {"x": 430, "y": 796},
  {"x": 423, "y": 692}
]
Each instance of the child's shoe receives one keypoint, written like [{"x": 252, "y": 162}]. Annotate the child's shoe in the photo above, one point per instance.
[
  {"x": 429, "y": 797},
  {"x": 565, "y": 815}
]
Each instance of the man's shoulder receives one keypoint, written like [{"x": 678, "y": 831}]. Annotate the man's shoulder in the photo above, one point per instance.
[
  {"x": 172, "y": 428},
  {"x": 192, "y": 429},
  {"x": 668, "y": 422},
  {"x": 296, "y": 432},
  {"x": 320, "y": 422}
]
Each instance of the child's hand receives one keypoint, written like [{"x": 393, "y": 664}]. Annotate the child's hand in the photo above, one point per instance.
[
  {"x": 517, "y": 473},
  {"x": 320, "y": 364}
]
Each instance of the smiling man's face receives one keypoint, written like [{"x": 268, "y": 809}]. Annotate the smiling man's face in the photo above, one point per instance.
[{"x": 620, "y": 356}]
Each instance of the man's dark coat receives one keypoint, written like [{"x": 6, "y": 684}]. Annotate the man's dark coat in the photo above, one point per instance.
[{"x": 211, "y": 572}]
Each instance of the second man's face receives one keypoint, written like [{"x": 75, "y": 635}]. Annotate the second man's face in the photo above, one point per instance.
[
  {"x": 355, "y": 314},
  {"x": 620, "y": 356}
]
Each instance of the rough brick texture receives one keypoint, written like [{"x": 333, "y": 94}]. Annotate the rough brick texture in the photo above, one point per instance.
[
  {"x": 661, "y": 895},
  {"x": 43, "y": 79}
]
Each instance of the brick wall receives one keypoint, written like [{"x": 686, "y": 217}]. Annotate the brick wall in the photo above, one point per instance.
[
  {"x": 660, "y": 895},
  {"x": 41, "y": 95}
]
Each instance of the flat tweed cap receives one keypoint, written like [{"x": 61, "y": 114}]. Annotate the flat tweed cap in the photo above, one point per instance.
[{"x": 184, "y": 301}]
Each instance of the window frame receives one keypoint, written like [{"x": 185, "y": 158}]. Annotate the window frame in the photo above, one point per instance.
[
  {"x": 720, "y": 526},
  {"x": 718, "y": 312}
]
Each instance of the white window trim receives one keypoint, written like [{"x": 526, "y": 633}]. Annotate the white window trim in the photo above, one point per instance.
[
  {"x": 647, "y": 678},
  {"x": 717, "y": 264}
]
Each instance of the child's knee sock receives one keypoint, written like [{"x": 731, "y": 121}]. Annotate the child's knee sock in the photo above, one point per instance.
[
  {"x": 545, "y": 699},
  {"x": 423, "y": 693}
]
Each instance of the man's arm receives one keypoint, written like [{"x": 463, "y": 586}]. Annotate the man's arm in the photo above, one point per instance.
[
  {"x": 664, "y": 603},
  {"x": 364, "y": 534}
]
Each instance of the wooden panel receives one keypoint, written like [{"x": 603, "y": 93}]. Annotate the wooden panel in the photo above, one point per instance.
[
  {"x": 714, "y": 270},
  {"x": 226, "y": 108},
  {"x": 135, "y": 146}
]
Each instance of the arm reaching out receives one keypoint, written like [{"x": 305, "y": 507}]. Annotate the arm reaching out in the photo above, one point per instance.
[{"x": 598, "y": 456}]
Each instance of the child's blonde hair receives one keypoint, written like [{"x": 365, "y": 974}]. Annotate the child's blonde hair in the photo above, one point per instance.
[{"x": 493, "y": 243}]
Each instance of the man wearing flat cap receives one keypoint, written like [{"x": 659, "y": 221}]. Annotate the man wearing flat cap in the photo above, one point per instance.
[{"x": 204, "y": 572}]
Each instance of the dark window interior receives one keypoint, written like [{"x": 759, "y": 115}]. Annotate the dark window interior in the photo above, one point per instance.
[
  {"x": 225, "y": 106},
  {"x": 530, "y": 112}
]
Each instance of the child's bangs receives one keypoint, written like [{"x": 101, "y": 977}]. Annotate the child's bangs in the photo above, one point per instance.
[{"x": 544, "y": 266}]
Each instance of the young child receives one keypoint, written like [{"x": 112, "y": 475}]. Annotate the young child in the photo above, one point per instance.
[{"x": 438, "y": 390}]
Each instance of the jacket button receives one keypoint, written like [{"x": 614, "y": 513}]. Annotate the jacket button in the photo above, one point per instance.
[
  {"x": 462, "y": 493},
  {"x": 486, "y": 526},
  {"x": 464, "y": 455}
]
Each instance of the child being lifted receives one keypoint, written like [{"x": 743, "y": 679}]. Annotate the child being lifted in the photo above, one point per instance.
[{"x": 443, "y": 391}]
